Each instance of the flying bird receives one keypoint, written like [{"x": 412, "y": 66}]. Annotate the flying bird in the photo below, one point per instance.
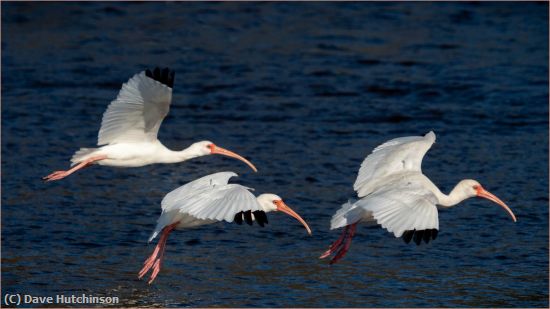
[
  {"x": 395, "y": 193},
  {"x": 207, "y": 200},
  {"x": 128, "y": 133}
]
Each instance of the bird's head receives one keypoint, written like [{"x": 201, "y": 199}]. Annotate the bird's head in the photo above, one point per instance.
[
  {"x": 273, "y": 202},
  {"x": 204, "y": 148},
  {"x": 472, "y": 188}
]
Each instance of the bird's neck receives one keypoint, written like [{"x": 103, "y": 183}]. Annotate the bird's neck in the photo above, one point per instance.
[
  {"x": 171, "y": 156},
  {"x": 456, "y": 196}
]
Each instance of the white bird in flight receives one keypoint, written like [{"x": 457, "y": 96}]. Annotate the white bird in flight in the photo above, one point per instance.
[
  {"x": 128, "y": 133},
  {"x": 207, "y": 200},
  {"x": 395, "y": 194}
]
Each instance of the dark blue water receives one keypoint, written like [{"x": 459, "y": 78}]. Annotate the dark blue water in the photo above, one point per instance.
[{"x": 306, "y": 91}]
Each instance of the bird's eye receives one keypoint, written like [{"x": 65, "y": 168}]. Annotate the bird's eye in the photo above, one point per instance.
[{"x": 476, "y": 187}]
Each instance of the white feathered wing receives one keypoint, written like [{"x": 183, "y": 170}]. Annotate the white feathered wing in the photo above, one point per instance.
[
  {"x": 206, "y": 200},
  {"x": 403, "y": 206},
  {"x": 137, "y": 112},
  {"x": 390, "y": 182},
  {"x": 394, "y": 156}
]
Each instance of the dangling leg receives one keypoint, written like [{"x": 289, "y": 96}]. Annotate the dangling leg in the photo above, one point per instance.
[
  {"x": 335, "y": 244},
  {"x": 157, "y": 265},
  {"x": 346, "y": 245},
  {"x": 154, "y": 261},
  {"x": 62, "y": 174},
  {"x": 158, "y": 262},
  {"x": 153, "y": 257},
  {"x": 151, "y": 260}
]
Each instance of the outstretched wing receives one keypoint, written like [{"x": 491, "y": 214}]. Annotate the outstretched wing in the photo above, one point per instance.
[
  {"x": 221, "y": 203},
  {"x": 406, "y": 205},
  {"x": 209, "y": 182},
  {"x": 209, "y": 199},
  {"x": 140, "y": 107},
  {"x": 397, "y": 155}
]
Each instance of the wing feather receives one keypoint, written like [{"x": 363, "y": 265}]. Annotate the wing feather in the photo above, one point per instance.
[
  {"x": 192, "y": 190},
  {"x": 397, "y": 155},
  {"x": 348, "y": 214},
  {"x": 137, "y": 112},
  {"x": 403, "y": 206},
  {"x": 213, "y": 206},
  {"x": 207, "y": 199}
]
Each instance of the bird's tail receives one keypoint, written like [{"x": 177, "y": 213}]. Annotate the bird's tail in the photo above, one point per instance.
[
  {"x": 154, "y": 234},
  {"x": 166, "y": 218},
  {"x": 81, "y": 155},
  {"x": 349, "y": 213}
]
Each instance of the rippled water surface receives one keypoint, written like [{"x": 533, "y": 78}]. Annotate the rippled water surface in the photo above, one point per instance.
[{"x": 306, "y": 91}]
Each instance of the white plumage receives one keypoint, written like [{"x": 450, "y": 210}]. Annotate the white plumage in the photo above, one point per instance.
[
  {"x": 207, "y": 200},
  {"x": 177, "y": 196},
  {"x": 403, "y": 204},
  {"x": 393, "y": 188},
  {"x": 395, "y": 194},
  {"x": 137, "y": 112},
  {"x": 129, "y": 129},
  {"x": 393, "y": 157}
]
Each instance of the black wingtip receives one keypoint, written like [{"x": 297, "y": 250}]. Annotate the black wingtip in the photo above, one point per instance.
[
  {"x": 164, "y": 76},
  {"x": 260, "y": 217},
  {"x": 248, "y": 217},
  {"x": 418, "y": 236},
  {"x": 407, "y": 236},
  {"x": 427, "y": 236},
  {"x": 238, "y": 218}
]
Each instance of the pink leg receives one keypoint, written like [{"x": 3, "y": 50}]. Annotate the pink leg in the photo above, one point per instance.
[
  {"x": 154, "y": 261},
  {"x": 157, "y": 266},
  {"x": 345, "y": 248},
  {"x": 335, "y": 244},
  {"x": 151, "y": 260},
  {"x": 158, "y": 263},
  {"x": 62, "y": 174}
]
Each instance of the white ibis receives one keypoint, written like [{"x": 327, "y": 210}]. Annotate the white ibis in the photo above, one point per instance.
[
  {"x": 128, "y": 133},
  {"x": 207, "y": 200},
  {"x": 395, "y": 194}
]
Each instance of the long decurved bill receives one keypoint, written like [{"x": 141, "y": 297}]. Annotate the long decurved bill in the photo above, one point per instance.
[
  {"x": 481, "y": 192},
  {"x": 281, "y": 206},
  {"x": 219, "y": 150}
]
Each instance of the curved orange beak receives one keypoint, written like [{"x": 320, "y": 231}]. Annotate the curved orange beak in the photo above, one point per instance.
[
  {"x": 219, "y": 150},
  {"x": 281, "y": 206},
  {"x": 481, "y": 192}
]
